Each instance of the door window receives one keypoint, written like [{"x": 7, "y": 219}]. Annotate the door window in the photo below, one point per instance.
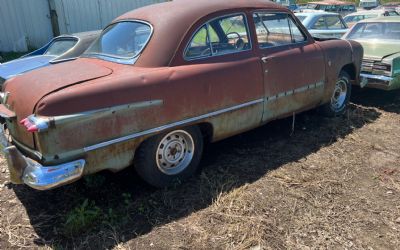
[
  {"x": 220, "y": 36},
  {"x": 200, "y": 44},
  {"x": 276, "y": 29}
]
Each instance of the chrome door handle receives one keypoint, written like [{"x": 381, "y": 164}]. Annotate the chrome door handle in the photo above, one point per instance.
[{"x": 265, "y": 59}]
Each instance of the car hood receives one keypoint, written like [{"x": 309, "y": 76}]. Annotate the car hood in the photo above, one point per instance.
[
  {"x": 22, "y": 65},
  {"x": 26, "y": 90},
  {"x": 379, "y": 49}
]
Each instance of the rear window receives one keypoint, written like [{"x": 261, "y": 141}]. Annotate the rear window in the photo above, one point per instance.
[
  {"x": 59, "y": 47},
  {"x": 123, "y": 40}
]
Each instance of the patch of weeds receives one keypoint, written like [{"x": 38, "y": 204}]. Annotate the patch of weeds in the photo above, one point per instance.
[
  {"x": 144, "y": 208},
  {"x": 111, "y": 217},
  {"x": 127, "y": 200},
  {"x": 82, "y": 217},
  {"x": 94, "y": 181}
]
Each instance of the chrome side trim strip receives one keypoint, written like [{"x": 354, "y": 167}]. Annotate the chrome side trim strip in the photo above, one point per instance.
[
  {"x": 295, "y": 91},
  {"x": 171, "y": 125},
  {"x": 137, "y": 105}
]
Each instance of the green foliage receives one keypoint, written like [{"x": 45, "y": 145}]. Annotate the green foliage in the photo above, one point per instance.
[
  {"x": 82, "y": 218},
  {"x": 94, "y": 181}
]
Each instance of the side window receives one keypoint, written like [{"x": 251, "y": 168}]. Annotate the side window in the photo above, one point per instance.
[
  {"x": 276, "y": 29},
  {"x": 200, "y": 44},
  {"x": 297, "y": 36},
  {"x": 334, "y": 23},
  {"x": 232, "y": 35},
  {"x": 220, "y": 36},
  {"x": 319, "y": 24}
]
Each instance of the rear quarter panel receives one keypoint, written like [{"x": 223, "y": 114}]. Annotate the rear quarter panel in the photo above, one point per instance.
[{"x": 340, "y": 54}]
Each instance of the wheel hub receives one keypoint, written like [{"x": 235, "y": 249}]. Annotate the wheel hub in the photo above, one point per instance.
[
  {"x": 175, "y": 152},
  {"x": 339, "y": 96}
]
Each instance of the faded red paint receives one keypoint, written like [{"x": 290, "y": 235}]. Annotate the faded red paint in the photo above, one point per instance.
[{"x": 186, "y": 88}]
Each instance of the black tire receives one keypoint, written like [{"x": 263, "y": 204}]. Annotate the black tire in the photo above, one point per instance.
[
  {"x": 151, "y": 155},
  {"x": 334, "y": 108}
]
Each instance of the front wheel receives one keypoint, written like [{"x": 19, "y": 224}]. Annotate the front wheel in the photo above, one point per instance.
[
  {"x": 340, "y": 97},
  {"x": 169, "y": 157}
]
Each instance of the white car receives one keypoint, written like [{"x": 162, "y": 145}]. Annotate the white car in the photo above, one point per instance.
[
  {"x": 323, "y": 24},
  {"x": 353, "y": 18}
]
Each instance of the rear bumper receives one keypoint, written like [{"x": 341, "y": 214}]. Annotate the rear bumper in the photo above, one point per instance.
[
  {"x": 378, "y": 82},
  {"x": 24, "y": 170}
]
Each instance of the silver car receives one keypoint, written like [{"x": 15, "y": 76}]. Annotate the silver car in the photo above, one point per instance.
[{"x": 323, "y": 24}]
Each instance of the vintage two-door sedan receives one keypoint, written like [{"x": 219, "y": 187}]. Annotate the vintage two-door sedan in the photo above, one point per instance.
[{"x": 158, "y": 83}]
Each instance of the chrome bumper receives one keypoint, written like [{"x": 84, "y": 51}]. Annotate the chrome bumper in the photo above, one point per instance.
[
  {"x": 369, "y": 78},
  {"x": 25, "y": 170}
]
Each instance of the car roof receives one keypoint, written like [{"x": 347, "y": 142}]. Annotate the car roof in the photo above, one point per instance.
[
  {"x": 387, "y": 19},
  {"x": 193, "y": 8},
  {"x": 314, "y": 14},
  {"x": 332, "y": 2},
  {"x": 87, "y": 34},
  {"x": 172, "y": 20},
  {"x": 81, "y": 35},
  {"x": 366, "y": 12}
]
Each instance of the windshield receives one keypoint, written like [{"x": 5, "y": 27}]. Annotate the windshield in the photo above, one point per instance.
[
  {"x": 123, "y": 40},
  {"x": 59, "y": 47},
  {"x": 375, "y": 31}
]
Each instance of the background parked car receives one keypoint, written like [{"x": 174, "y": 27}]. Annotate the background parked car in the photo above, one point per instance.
[
  {"x": 355, "y": 17},
  {"x": 340, "y": 7},
  {"x": 290, "y": 4},
  {"x": 369, "y": 4},
  {"x": 323, "y": 24},
  {"x": 59, "y": 49},
  {"x": 380, "y": 38}
]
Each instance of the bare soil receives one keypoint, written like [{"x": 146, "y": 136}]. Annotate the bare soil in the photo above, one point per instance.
[{"x": 333, "y": 183}]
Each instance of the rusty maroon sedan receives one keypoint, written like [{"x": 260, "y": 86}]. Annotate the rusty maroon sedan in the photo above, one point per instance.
[{"x": 157, "y": 84}]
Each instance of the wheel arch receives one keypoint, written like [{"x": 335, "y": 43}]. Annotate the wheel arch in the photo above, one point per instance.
[{"x": 351, "y": 70}]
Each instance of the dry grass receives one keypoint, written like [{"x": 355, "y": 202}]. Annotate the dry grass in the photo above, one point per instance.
[{"x": 335, "y": 183}]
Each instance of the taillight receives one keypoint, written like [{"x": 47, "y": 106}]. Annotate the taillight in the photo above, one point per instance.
[{"x": 35, "y": 124}]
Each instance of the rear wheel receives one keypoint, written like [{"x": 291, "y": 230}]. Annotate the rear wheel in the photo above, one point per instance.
[
  {"x": 340, "y": 97},
  {"x": 170, "y": 157}
]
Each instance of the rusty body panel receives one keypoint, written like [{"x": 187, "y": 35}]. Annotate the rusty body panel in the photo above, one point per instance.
[{"x": 101, "y": 111}]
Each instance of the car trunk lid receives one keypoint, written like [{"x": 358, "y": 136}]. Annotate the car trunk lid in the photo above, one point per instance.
[{"x": 25, "y": 91}]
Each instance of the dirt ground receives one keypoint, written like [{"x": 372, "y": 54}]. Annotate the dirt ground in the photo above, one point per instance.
[{"x": 334, "y": 183}]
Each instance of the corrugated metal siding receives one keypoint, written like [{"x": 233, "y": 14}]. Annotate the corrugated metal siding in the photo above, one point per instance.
[
  {"x": 77, "y": 15},
  {"x": 23, "y": 24},
  {"x": 26, "y": 23}
]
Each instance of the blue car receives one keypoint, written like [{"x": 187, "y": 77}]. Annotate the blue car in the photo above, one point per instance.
[{"x": 59, "y": 49}]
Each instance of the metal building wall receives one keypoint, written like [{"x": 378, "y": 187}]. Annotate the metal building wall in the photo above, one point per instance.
[
  {"x": 23, "y": 24},
  {"x": 77, "y": 15},
  {"x": 27, "y": 23}
]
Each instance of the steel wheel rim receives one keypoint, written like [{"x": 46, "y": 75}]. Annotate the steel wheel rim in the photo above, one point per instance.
[
  {"x": 339, "y": 96},
  {"x": 175, "y": 152}
]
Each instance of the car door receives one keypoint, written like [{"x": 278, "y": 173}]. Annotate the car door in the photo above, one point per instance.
[
  {"x": 220, "y": 73},
  {"x": 293, "y": 65}
]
